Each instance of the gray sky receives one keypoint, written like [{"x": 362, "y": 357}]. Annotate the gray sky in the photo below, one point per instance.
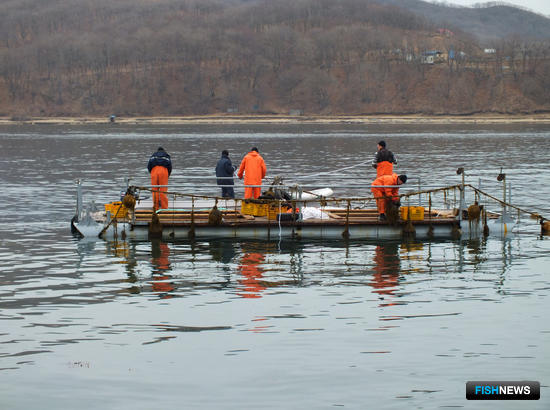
[{"x": 540, "y": 6}]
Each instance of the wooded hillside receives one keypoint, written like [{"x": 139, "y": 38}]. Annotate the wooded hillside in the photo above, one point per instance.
[
  {"x": 183, "y": 57},
  {"x": 486, "y": 21}
]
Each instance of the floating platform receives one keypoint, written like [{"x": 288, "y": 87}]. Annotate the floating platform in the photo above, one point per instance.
[{"x": 188, "y": 219}]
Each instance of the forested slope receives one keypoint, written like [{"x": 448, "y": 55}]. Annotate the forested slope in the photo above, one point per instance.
[
  {"x": 182, "y": 57},
  {"x": 487, "y": 22}
]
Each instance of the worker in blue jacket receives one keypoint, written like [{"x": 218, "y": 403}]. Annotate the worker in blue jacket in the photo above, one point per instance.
[
  {"x": 225, "y": 169},
  {"x": 160, "y": 167}
]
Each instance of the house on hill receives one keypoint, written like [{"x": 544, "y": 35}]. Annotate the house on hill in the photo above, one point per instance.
[{"x": 432, "y": 57}]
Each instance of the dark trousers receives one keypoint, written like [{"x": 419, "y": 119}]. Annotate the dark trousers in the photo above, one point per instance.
[{"x": 228, "y": 192}]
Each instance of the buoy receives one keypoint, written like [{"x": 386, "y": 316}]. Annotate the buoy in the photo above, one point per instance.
[
  {"x": 129, "y": 201},
  {"x": 215, "y": 216},
  {"x": 155, "y": 227},
  {"x": 392, "y": 213},
  {"x": 474, "y": 211}
]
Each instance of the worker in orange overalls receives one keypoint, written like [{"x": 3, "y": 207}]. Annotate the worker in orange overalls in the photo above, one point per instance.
[
  {"x": 160, "y": 167},
  {"x": 386, "y": 194},
  {"x": 254, "y": 170},
  {"x": 383, "y": 160}
]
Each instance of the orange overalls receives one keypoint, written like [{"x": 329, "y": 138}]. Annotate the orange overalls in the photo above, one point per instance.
[
  {"x": 384, "y": 168},
  {"x": 253, "y": 167},
  {"x": 383, "y": 162},
  {"x": 384, "y": 194},
  {"x": 159, "y": 176}
]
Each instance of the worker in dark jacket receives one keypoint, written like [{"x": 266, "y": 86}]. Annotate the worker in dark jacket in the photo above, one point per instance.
[
  {"x": 225, "y": 170},
  {"x": 383, "y": 160},
  {"x": 160, "y": 167}
]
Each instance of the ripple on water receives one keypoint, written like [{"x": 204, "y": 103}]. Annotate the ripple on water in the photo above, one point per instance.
[{"x": 317, "y": 316}]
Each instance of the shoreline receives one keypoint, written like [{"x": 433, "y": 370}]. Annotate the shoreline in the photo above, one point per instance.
[{"x": 285, "y": 119}]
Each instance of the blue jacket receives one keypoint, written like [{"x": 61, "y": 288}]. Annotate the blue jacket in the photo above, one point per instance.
[
  {"x": 160, "y": 158},
  {"x": 225, "y": 168}
]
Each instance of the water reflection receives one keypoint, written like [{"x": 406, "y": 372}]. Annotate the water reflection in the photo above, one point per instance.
[
  {"x": 160, "y": 262},
  {"x": 84, "y": 247},
  {"x": 251, "y": 275},
  {"x": 118, "y": 249},
  {"x": 387, "y": 266},
  {"x": 222, "y": 250},
  {"x": 462, "y": 305},
  {"x": 249, "y": 269}
]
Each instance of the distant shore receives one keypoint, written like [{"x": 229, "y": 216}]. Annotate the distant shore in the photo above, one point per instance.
[{"x": 281, "y": 119}]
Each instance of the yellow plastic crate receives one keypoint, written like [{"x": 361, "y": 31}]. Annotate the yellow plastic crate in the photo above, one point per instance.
[
  {"x": 414, "y": 213},
  {"x": 251, "y": 208},
  {"x": 113, "y": 208},
  {"x": 247, "y": 208},
  {"x": 261, "y": 209}
]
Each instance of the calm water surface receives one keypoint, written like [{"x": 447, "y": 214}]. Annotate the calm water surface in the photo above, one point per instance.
[{"x": 280, "y": 325}]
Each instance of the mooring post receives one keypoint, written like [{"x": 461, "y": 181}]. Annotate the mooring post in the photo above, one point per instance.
[
  {"x": 293, "y": 233},
  {"x": 419, "y": 190},
  {"x": 408, "y": 230},
  {"x": 78, "y": 200},
  {"x": 504, "y": 196},
  {"x": 345, "y": 234},
  {"x": 462, "y": 201},
  {"x": 460, "y": 171},
  {"x": 510, "y": 192},
  {"x": 430, "y": 227},
  {"x": 191, "y": 232},
  {"x": 502, "y": 178}
]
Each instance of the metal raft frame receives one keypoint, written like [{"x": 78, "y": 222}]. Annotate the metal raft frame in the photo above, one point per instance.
[{"x": 350, "y": 217}]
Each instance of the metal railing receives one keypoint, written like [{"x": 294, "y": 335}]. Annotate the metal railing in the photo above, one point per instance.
[{"x": 453, "y": 196}]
